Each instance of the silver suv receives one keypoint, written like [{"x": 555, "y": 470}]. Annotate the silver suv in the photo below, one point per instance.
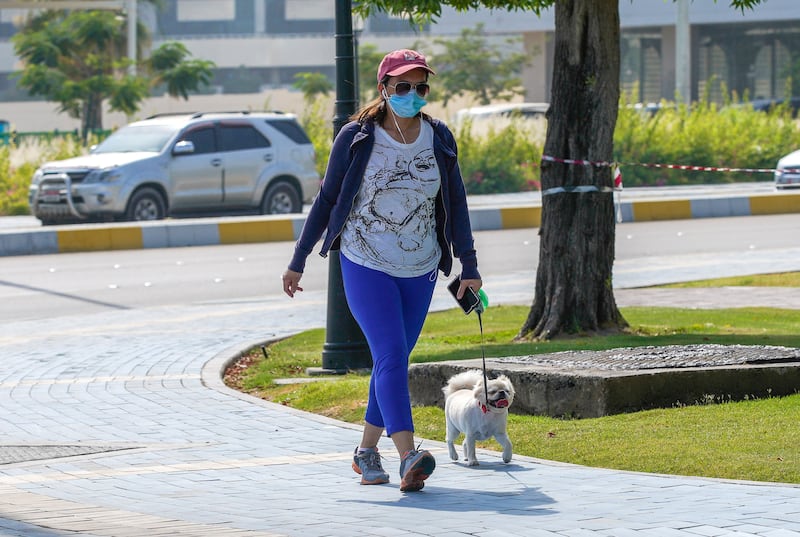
[{"x": 183, "y": 164}]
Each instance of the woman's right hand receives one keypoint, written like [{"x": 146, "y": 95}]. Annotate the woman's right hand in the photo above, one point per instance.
[{"x": 291, "y": 282}]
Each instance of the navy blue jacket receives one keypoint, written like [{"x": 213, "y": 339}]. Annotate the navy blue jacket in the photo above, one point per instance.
[{"x": 348, "y": 161}]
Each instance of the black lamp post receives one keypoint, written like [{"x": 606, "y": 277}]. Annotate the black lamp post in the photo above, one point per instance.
[{"x": 345, "y": 347}]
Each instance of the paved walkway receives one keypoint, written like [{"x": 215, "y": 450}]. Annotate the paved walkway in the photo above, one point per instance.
[{"x": 118, "y": 425}]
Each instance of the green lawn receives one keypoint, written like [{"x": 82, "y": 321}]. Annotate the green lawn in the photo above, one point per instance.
[
  {"x": 754, "y": 440},
  {"x": 781, "y": 279}
]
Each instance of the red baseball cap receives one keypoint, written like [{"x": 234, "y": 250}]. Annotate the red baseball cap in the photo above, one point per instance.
[{"x": 402, "y": 61}]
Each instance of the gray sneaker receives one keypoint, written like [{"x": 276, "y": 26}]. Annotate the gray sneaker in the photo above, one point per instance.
[
  {"x": 415, "y": 467},
  {"x": 367, "y": 464}
]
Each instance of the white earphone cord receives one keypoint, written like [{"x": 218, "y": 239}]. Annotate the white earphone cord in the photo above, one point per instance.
[
  {"x": 398, "y": 127},
  {"x": 394, "y": 118}
]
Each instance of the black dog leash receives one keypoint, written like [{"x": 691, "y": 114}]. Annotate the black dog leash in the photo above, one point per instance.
[
  {"x": 483, "y": 356},
  {"x": 478, "y": 307}
]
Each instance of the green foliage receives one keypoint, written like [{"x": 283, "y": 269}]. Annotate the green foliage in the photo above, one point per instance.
[
  {"x": 502, "y": 155},
  {"x": 369, "y": 57},
  {"x": 704, "y": 134},
  {"x": 70, "y": 59},
  {"x": 77, "y": 59},
  {"x": 500, "y": 160},
  {"x": 127, "y": 95},
  {"x": 312, "y": 85},
  {"x": 420, "y": 11},
  {"x": 170, "y": 65},
  {"x": 13, "y": 193},
  {"x": 470, "y": 65},
  {"x": 320, "y": 129},
  {"x": 18, "y": 162}
]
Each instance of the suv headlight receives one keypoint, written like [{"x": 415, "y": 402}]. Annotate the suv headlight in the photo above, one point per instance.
[{"x": 102, "y": 176}]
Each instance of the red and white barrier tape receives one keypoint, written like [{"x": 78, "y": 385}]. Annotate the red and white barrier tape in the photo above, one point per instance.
[
  {"x": 603, "y": 163},
  {"x": 615, "y": 166},
  {"x": 615, "y": 170},
  {"x": 617, "y": 173}
]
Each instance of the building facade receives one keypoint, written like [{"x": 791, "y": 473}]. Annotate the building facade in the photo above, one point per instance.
[{"x": 262, "y": 44}]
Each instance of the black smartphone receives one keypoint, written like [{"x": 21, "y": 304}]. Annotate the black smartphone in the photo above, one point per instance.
[{"x": 469, "y": 301}]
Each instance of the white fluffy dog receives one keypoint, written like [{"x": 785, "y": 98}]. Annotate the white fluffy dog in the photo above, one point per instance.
[{"x": 467, "y": 411}]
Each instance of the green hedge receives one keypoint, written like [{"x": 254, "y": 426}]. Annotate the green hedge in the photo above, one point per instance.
[
  {"x": 18, "y": 161},
  {"x": 705, "y": 134},
  {"x": 500, "y": 158}
]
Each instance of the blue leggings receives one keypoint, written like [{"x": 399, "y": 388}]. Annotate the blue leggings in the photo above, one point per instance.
[{"x": 390, "y": 312}]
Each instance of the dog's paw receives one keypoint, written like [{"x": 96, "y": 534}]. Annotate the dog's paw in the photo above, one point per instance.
[
  {"x": 506, "y": 459},
  {"x": 453, "y": 453},
  {"x": 472, "y": 462}
]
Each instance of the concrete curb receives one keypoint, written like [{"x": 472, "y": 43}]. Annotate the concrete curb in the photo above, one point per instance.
[{"x": 237, "y": 230}]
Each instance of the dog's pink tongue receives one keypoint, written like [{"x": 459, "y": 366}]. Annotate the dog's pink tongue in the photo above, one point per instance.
[{"x": 501, "y": 403}]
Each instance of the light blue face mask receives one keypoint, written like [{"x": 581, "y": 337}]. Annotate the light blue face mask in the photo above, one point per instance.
[{"x": 408, "y": 105}]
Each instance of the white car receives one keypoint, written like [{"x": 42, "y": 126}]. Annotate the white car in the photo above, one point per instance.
[
  {"x": 183, "y": 164},
  {"x": 503, "y": 110},
  {"x": 787, "y": 174}
]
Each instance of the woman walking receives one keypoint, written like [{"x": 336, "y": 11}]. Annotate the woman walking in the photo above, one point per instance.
[{"x": 393, "y": 202}]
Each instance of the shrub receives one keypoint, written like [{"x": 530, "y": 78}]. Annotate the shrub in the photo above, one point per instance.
[
  {"x": 320, "y": 130},
  {"x": 504, "y": 159},
  {"x": 18, "y": 161},
  {"x": 704, "y": 134}
]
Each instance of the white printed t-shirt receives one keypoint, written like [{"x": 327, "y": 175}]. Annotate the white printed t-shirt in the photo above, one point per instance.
[{"x": 392, "y": 227}]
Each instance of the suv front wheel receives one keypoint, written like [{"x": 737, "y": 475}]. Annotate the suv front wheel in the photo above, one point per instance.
[
  {"x": 281, "y": 198},
  {"x": 145, "y": 204}
]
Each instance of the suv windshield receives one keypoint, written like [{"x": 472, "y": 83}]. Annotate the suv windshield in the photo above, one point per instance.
[{"x": 150, "y": 138}]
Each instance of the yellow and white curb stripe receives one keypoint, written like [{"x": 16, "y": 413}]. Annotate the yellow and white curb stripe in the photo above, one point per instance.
[{"x": 210, "y": 232}]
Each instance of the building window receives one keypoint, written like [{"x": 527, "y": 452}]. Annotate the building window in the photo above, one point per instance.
[
  {"x": 640, "y": 57},
  {"x": 712, "y": 73},
  {"x": 191, "y": 18},
  {"x": 208, "y": 10},
  {"x": 310, "y": 9},
  {"x": 784, "y": 69}
]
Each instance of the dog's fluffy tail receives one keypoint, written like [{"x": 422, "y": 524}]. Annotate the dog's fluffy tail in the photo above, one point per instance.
[{"x": 463, "y": 381}]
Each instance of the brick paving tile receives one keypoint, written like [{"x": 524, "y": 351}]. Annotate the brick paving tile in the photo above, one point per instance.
[{"x": 164, "y": 449}]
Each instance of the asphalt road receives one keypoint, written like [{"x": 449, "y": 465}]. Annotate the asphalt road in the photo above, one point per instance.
[{"x": 647, "y": 253}]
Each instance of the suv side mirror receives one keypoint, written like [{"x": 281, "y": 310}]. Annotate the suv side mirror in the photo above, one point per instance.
[{"x": 184, "y": 147}]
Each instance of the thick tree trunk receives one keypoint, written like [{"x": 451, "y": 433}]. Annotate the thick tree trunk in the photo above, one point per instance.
[{"x": 573, "y": 291}]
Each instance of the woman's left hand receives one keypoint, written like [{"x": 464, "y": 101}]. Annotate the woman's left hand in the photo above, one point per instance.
[{"x": 474, "y": 284}]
